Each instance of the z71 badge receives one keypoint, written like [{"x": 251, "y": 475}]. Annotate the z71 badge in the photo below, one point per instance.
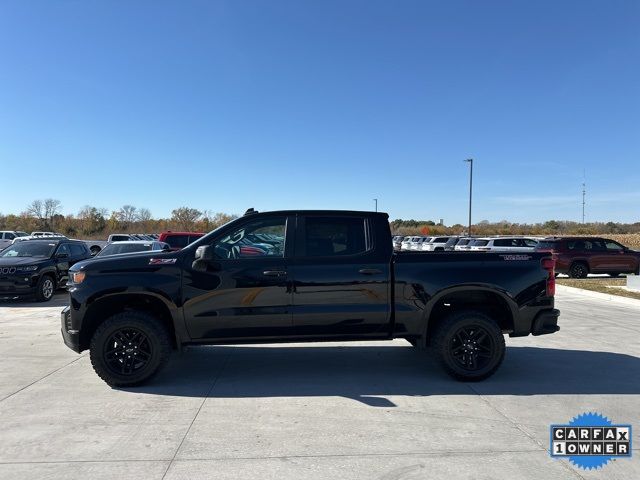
[{"x": 162, "y": 261}]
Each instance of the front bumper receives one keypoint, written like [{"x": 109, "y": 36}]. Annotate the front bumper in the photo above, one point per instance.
[
  {"x": 70, "y": 336},
  {"x": 12, "y": 286},
  {"x": 546, "y": 322}
]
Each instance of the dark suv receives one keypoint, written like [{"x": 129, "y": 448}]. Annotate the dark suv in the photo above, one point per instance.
[
  {"x": 38, "y": 267},
  {"x": 579, "y": 256}
]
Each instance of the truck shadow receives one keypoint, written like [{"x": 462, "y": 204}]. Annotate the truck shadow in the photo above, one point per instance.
[
  {"x": 370, "y": 374},
  {"x": 60, "y": 299}
]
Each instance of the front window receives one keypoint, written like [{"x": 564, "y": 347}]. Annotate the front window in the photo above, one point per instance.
[
  {"x": 29, "y": 249},
  {"x": 260, "y": 238}
]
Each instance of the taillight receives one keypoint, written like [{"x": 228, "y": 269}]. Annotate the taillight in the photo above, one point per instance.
[{"x": 549, "y": 264}]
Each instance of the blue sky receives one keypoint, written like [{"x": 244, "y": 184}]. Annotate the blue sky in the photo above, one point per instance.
[{"x": 325, "y": 104}]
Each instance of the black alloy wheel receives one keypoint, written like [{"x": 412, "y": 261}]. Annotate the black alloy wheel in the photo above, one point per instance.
[
  {"x": 469, "y": 345},
  {"x": 578, "y": 270},
  {"x": 472, "y": 347},
  {"x": 126, "y": 351},
  {"x": 129, "y": 348}
]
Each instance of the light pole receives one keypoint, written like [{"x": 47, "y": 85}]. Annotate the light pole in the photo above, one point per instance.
[
  {"x": 376, "y": 202},
  {"x": 470, "y": 161}
]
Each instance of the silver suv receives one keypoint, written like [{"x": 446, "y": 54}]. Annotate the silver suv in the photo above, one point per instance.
[{"x": 8, "y": 236}]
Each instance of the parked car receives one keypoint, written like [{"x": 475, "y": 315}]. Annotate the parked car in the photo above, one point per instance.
[
  {"x": 579, "y": 256},
  {"x": 435, "y": 244},
  {"x": 46, "y": 234},
  {"x": 132, "y": 246},
  {"x": 450, "y": 246},
  {"x": 406, "y": 243},
  {"x": 178, "y": 240},
  {"x": 8, "y": 236},
  {"x": 31, "y": 237},
  {"x": 39, "y": 266},
  {"x": 335, "y": 281},
  {"x": 464, "y": 244},
  {"x": 397, "y": 242},
  {"x": 120, "y": 237},
  {"x": 503, "y": 244},
  {"x": 417, "y": 242}
]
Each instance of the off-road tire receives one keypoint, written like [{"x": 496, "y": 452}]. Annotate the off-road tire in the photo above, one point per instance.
[
  {"x": 446, "y": 339},
  {"x": 156, "y": 344},
  {"x": 45, "y": 288}
]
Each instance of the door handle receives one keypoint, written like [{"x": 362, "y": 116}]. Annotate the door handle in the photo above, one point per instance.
[
  {"x": 369, "y": 271},
  {"x": 274, "y": 273}
]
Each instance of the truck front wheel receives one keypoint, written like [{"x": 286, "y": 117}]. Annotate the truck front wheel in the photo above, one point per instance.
[
  {"x": 469, "y": 346},
  {"x": 129, "y": 348}
]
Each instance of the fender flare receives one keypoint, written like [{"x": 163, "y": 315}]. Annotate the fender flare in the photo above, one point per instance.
[{"x": 477, "y": 287}]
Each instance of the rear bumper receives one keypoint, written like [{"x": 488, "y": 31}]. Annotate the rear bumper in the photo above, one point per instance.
[
  {"x": 70, "y": 336},
  {"x": 546, "y": 322}
]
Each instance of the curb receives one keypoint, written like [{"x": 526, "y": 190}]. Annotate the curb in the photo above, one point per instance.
[{"x": 616, "y": 299}]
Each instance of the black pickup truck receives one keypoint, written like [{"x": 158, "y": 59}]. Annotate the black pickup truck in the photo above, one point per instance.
[{"x": 303, "y": 276}]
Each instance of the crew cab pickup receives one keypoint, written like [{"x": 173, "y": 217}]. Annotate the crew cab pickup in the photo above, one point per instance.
[{"x": 302, "y": 276}]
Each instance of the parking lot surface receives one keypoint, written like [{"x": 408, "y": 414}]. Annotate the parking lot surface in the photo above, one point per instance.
[{"x": 334, "y": 410}]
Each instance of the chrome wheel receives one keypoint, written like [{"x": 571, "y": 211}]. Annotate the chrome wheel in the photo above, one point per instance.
[{"x": 47, "y": 288}]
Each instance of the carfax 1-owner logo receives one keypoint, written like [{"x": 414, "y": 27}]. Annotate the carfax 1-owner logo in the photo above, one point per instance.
[{"x": 590, "y": 441}]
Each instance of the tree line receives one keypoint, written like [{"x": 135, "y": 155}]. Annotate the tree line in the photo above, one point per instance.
[
  {"x": 505, "y": 227},
  {"x": 96, "y": 222}
]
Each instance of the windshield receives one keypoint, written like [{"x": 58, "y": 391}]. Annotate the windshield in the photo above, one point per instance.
[
  {"x": 29, "y": 249},
  {"x": 21, "y": 234},
  {"x": 115, "y": 248}
]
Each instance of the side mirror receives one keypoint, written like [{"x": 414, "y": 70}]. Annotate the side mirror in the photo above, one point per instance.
[
  {"x": 62, "y": 255},
  {"x": 204, "y": 255},
  {"x": 205, "y": 252}
]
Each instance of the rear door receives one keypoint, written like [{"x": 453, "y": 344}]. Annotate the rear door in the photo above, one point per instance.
[
  {"x": 619, "y": 259},
  {"x": 341, "y": 278}
]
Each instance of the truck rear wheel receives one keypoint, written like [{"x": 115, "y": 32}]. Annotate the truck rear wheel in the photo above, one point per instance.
[
  {"x": 469, "y": 345},
  {"x": 129, "y": 348}
]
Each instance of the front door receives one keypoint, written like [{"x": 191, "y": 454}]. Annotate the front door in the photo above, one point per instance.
[
  {"x": 245, "y": 291},
  {"x": 341, "y": 279}
]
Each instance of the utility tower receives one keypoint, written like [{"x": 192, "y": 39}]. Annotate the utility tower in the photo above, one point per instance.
[{"x": 584, "y": 192}]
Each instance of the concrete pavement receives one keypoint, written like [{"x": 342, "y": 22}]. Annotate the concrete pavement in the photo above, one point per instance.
[{"x": 339, "y": 410}]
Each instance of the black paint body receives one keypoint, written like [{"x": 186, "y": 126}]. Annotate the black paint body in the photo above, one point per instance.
[{"x": 378, "y": 294}]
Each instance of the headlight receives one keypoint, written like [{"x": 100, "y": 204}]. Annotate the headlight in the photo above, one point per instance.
[
  {"x": 78, "y": 277},
  {"x": 30, "y": 268}
]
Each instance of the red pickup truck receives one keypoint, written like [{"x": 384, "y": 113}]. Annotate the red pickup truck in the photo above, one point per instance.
[{"x": 179, "y": 240}]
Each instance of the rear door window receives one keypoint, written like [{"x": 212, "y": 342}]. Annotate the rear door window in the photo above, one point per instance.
[
  {"x": 77, "y": 250},
  {"x": 613, "y": 246},
  {"x": 334, "y": 236}
]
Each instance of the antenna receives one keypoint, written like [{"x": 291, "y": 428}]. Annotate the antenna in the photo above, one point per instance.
[{"x": 584, "y": 192}]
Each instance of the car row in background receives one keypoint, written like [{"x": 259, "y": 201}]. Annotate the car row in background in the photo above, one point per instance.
[
  {"x": 40, "y": 266},
  {"x": 574, "y": 256}
]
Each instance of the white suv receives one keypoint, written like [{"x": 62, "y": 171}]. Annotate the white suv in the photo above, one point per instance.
[
  {"x": 417, "y": 242},
  {"x": 436, "y": 244},
  {"x": 8, "y": 236},
  {"x": 504, "y": 244}
]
